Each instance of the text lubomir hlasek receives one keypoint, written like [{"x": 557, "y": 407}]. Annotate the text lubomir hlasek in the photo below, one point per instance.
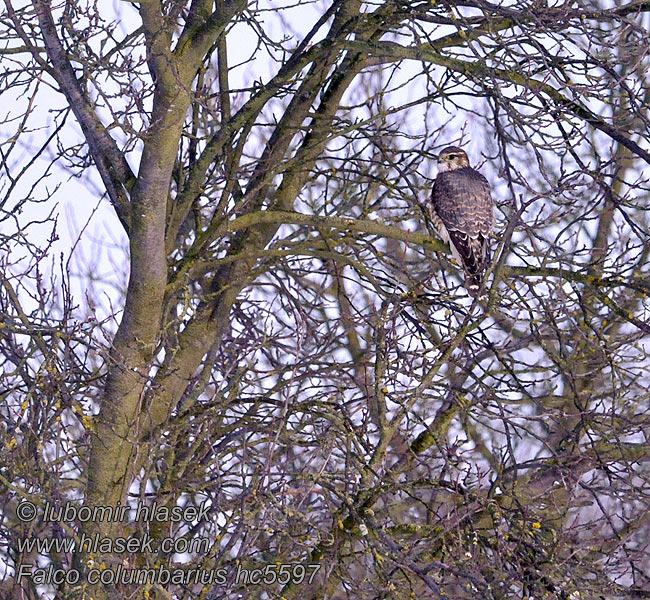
[{"x": 143, "y": 512}]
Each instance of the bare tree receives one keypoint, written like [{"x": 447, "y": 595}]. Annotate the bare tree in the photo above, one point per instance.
[{"x": 293, "y": 364}]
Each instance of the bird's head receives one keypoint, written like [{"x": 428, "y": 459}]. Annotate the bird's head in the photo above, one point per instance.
[{"x": 452, "y": 158}]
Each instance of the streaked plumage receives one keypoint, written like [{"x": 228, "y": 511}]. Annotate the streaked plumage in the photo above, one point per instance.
[{"x": 462, "y": 211}]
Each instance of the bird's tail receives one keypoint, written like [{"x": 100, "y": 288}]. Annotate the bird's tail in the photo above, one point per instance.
[{"x": 473, "y": 284}]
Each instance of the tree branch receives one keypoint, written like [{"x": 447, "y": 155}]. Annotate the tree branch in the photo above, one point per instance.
[
  {"x": 111, "y": 163},
  {"x": 394, "y": 52}
]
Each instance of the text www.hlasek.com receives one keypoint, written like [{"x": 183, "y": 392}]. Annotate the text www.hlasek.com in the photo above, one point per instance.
[{"x": 119, "y": 545}]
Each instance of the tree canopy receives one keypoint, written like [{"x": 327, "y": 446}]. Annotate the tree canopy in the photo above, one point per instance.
[{"x": 253, "y": 333}]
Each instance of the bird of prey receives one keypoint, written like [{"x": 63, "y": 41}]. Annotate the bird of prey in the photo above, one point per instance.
[{"x": 461, "y": 210}]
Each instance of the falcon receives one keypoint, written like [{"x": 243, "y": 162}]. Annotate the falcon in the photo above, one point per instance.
[{"x": 461, "y": 210}]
